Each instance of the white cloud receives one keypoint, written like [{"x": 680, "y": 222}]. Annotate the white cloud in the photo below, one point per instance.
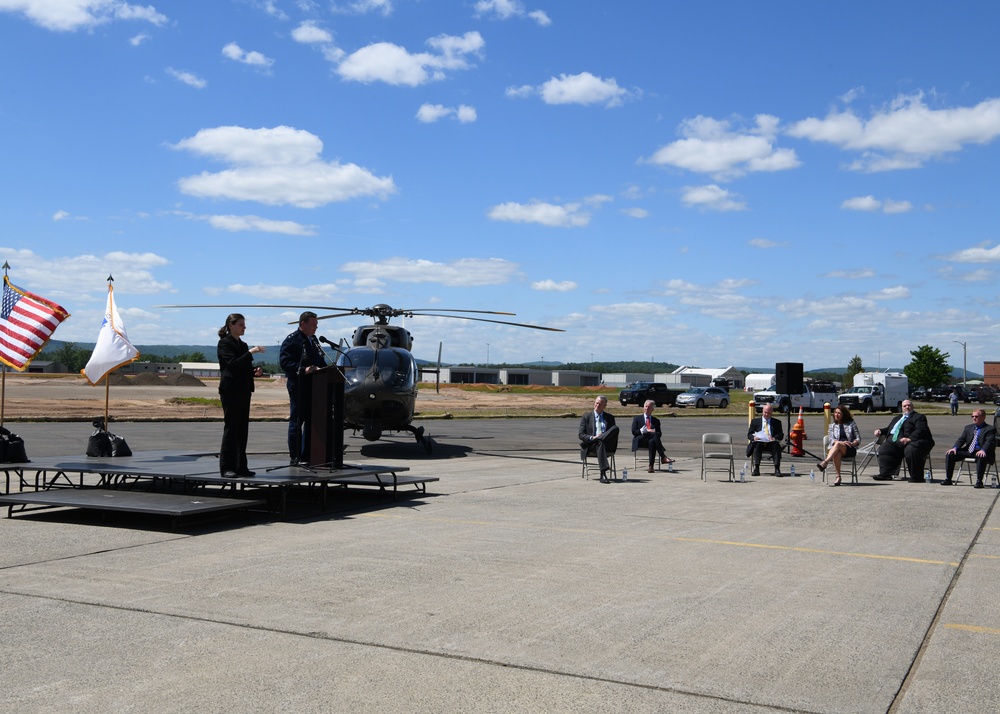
[
  {"x": 713, "y": 198},
  {"x": 891, "y": 206},
  {"x": 70, "y": 15},
  {"x": 466, "y": 114},
  {"x": 392, "y": 64},
  {"x": 711, "y": 146},
  {"x": 507, "y": 9},
  {"x": 636, "y": 212},
  {"x": 309, "y": 33},
  {"x": 430, "y": 113},
  {"x": 237, "y": 224},
  {"x": 187, "y": 78},
  {"x": 361, "y": 7},
  {"x": 862, "y": 203},
  {"x": 464, "y": 272},
  {"x": 871, "y": 204},
  {"x": 899, "y": 292},
  {"x": 905, "y": 134},
  {"x": 852, "y": 274},
  {"x": 584, "y": 88},
  {"x": 137, "y": 40},
  {"x": 276, "y": 166},
  {"x": 60, "y": 216},
  {"x": 550, "y": 285},
  {"x": 980, "y": 254},
  {"x": 568, "y": 215},
  {"x": 763, "y": 243},
  {"x": 255, "y": 59}
]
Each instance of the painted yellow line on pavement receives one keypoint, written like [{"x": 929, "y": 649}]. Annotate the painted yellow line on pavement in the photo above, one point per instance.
[
  {"x": 974, "y": 628},
  {"x": 707, "y": 541}
]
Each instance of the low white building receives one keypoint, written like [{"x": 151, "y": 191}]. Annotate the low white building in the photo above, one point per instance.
[{"x": 704, "y": 376}]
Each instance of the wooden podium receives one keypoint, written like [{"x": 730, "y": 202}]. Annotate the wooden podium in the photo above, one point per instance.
[{"x": 325, "y": 430}]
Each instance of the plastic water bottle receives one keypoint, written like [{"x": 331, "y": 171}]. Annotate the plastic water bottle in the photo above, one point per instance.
[
  {"x": 625, "y": 474},
  {"x": 793, "y": 470},
  {"x": 743, "y": 474},
  {"x": 670, "y": 469},
  {"x": 993, "y": 480},
  {"x": 812, "y": 476},
  {"x": 927, "y": 476}
]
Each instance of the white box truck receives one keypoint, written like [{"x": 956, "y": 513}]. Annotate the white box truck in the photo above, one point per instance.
[{"x": 873, "y": 391}]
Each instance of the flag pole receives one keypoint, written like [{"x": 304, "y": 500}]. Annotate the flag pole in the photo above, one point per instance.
[
  {"x": 107, "y": 397},
  {"x": 3, "y": 393}
]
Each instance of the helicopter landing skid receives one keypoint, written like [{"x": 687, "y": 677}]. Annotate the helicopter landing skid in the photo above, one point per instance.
[{"x": 418, "y": 434}]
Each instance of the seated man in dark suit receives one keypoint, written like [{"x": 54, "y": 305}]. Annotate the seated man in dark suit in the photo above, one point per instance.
[
  {"x": 907, "y": 437},
  {"x": 765, "y": 434},
  {"x": 646, "y": 432},
  {"x": 598, "y": 435},
  {"x": 978, "y": 442}
]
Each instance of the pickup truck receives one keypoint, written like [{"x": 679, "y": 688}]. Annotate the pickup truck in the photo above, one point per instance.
[
  {"x": 817, "y": 394},
  {"x": 639, "y": 392}
]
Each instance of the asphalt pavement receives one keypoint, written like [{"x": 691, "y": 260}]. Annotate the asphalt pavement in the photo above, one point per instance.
[{"x": 513, "y": 585}]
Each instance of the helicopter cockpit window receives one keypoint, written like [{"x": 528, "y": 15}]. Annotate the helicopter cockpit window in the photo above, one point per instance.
[{"x": 395, "y": 367}]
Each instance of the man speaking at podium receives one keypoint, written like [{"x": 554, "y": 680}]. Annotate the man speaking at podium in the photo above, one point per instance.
[{"x": 300, "y": 355}]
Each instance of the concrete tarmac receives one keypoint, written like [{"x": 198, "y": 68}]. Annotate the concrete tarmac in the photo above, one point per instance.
[{"x": 513, "y": 585}]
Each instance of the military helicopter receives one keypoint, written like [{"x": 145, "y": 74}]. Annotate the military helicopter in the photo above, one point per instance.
[{"x": 380, "y": 372}]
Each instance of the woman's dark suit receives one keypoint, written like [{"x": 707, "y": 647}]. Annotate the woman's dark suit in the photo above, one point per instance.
[{"x": 235, "y": 387}]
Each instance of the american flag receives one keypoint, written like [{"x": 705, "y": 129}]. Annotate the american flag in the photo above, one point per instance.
[{"x": 26, "y": 324}]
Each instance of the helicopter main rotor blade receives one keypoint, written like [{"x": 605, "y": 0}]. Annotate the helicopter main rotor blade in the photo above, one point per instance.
[
  {"x": 432, "y": 310},
  {"x": 501, "y": 322},
  {"x": 346, "y": 310}
]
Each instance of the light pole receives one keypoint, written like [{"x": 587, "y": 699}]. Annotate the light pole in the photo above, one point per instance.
[
  {"x": 965, "y": 371},
  {"x": 487, "y": 354}
]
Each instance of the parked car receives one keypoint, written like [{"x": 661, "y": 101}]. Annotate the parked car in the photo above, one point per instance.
[
  {"x": 639, "y": 392},
  {"x": 984, "y": 394},
  {"x": 940, "y": 394},
  {"x": 704, "y": 397},
  {"x": 920, "y": 394}
]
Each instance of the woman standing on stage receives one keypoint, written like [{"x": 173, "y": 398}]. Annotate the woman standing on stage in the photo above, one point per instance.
[{"x": 237, "y": 372}]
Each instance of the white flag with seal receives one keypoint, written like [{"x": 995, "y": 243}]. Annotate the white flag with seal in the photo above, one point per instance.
[{"x": 113, "y": 348}]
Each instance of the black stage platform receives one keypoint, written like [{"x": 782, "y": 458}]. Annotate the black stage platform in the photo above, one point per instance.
[{"x": 74, "y": 481}]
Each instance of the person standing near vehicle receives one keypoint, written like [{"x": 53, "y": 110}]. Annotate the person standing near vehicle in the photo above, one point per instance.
[
  {"x": 953, "y": 400},
  {"x": 236, "y": 375}
]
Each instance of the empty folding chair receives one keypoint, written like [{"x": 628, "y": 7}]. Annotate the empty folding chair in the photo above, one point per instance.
[{"x": 717, "y": 446}]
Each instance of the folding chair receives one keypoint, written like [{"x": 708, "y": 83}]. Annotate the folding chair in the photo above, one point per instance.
[
  {"x": 972, "y": 478},
  {"x": 852, "y": 460},
  {"x": 610, "y": 447},
  {"x": 724, "y": 445}
]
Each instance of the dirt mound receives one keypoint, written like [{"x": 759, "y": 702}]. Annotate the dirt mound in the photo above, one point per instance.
[
  {"x": 182, "y": 380},
  {"x": 146, "y": 379}
]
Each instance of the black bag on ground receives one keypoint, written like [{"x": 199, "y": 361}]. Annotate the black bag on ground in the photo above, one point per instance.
[
  {"x": 12, "y": 448},
  {"x": 104, "y": 443}
]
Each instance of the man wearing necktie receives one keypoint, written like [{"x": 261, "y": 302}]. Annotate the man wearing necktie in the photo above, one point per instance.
[
  {"x": 300, "y": 356},
  {"x": 598, "y": 435},
  {"x": 977, "y": 441},
  {"x": 765, "y": 434},
  {"x": 646, "y": 432},
  {"x": 907, "y": 437}
]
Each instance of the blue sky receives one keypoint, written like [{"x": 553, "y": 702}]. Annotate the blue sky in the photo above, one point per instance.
[{"x": 706, "y": 183}]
